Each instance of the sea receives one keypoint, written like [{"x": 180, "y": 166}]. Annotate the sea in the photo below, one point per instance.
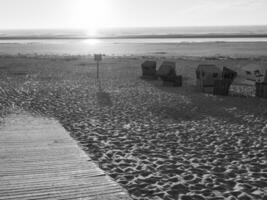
[{"x": 175, "y": 41}]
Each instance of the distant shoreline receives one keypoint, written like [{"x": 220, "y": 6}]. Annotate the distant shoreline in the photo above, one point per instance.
[
  {"x": 148, "y": 47},
  {"x": 170, "y": 36}
]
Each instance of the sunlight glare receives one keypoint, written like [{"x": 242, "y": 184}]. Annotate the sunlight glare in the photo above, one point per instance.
[
  {"x": 92, "y": 41},
  {"x": 90, "y": 15}
]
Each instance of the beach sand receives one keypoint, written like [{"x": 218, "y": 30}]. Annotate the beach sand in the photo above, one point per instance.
[
  {"x": 157, "y": 142},
  {"x": 141, "y": 47}
]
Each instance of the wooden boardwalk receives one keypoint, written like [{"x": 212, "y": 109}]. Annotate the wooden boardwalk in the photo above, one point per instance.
[{"x": 39, "y": 160}]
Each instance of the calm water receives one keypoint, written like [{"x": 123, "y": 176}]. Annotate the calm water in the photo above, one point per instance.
[
  {"x": 164, "y": 45},
  {"x": 120, "y": 32}
]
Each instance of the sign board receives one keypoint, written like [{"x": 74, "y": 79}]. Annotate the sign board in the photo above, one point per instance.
[{"x": 98, "y": 57}]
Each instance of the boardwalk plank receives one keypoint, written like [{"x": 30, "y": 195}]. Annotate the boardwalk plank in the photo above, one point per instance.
[{"x": 39, "y": 160}]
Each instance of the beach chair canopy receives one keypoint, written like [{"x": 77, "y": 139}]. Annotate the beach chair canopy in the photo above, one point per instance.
[
  {"x": 207, "y": 70},
  {"x": 149, "y": 65},
  {"x": 207, "y": 74},
  {"x": 149, "y": 68},
  {"x": 167, "y": 68},
  {"x": 229, "y": 74},
  {"x": 254, "y": 72}
]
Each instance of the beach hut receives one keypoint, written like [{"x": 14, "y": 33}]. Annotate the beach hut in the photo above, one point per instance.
[
  {"x": 221, "y": 87},
  {"x": 261, "y": 87},
  {"x": 257, "y": 72},
  {"x": 167, "y": 73},
  {"x": 167, "y": 69},
  {"x": 261, "y": 90},
  {"x": 149, "y": 70},
  {"x": 228, "y": 75},
  {"x": 206, "y": 75},
  {"x": 254, "y": 72}
]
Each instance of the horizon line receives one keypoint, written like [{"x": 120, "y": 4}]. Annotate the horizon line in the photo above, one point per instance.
[
  {"x": 129, "y": 27},
  {"x": 167, "y": 36}
]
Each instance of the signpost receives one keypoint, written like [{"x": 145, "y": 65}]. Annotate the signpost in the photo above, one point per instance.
[{"x": 98, "y": 58}]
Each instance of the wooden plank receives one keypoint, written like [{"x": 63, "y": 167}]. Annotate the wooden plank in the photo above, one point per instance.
[{"x": 39, "y": 160}]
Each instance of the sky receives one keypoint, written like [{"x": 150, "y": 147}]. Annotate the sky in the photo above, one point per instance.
[{"x": 95, "y": 14}]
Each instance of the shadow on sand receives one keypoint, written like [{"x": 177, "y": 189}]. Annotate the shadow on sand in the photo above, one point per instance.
[
  {"x": 230, "y": 108},
  {"x": 103, "y": 98}
]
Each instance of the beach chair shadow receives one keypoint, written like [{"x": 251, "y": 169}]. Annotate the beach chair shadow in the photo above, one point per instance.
[
  {"x": 103, "y": 98},
  {"x": 203, "y": 105}
]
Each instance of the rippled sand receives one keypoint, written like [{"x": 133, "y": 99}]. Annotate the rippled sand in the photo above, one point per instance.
[{"x": 157, "y": 142}]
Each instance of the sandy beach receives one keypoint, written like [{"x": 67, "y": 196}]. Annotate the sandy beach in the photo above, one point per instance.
[
  {"x": 157, "y": 142},
  {"x": 168, "y": 47},
  {"x": 168, "y": 99}
]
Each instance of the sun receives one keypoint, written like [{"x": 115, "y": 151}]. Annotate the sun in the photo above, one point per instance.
[{"x": 90, "y": 15}]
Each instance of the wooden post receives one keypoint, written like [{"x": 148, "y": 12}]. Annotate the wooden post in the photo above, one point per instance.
[
  {"x": 98, "y": 58},
  {"x": 97, "y": 76}
]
